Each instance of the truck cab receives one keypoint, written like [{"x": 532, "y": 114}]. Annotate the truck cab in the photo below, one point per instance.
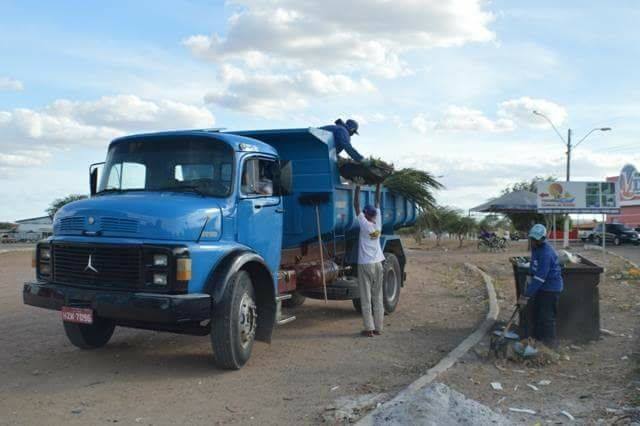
[{"x": 202, "y": 232}]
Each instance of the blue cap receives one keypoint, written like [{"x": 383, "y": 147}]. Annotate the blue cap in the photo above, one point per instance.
[
  {"x": 538, "y": 232},
  {"x": 369, "y": 210},
  {"x": 352, "y": 126}
]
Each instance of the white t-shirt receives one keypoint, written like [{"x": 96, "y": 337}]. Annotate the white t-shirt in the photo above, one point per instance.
[{"x": 369, "y": 249}]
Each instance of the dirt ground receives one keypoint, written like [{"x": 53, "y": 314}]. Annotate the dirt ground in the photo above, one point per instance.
[
  {"x": 593, "y": 382},
  {"x": 144, "y": 377}
]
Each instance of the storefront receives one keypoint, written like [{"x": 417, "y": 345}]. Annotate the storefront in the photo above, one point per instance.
[{"x": 628, "y": 196}]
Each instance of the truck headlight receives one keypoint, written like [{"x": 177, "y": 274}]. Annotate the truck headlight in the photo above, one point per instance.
[
  {"x": 43, "y": 261},
  {"x": 160, "y": 260},
  {"x": 160, "y": 279},
  {"x": 45, "y": 254}
]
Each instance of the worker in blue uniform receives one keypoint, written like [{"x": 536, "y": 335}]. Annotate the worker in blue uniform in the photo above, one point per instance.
[
  {"x": 544, "y": 286},
  {"x": 342, "y": 132}
]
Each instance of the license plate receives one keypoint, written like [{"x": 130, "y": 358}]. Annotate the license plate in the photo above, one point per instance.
[{"x": 77, "y": 315}]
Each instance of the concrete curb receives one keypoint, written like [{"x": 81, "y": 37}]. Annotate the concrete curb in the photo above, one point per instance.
[
  {"x": 452, "y": 357},
  {"x": 14, "y": 250},
  {"x": 598, "y": 248}
]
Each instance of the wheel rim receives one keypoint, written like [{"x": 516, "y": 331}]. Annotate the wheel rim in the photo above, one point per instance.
[
  {"x": 247, "y": 320},
  {"x": 391, "y": 284}
]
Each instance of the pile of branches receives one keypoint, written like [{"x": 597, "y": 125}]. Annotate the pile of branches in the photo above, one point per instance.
[{"x": 415, "y": 185}]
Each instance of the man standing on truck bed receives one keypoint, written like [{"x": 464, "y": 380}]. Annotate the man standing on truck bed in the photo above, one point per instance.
[
  {"x": 370, "y": 258},
  {"x": 342, "y": 132}
]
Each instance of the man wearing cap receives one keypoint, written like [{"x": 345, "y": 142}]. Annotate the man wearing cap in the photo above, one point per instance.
[
  {"x": 342, "y": 132},
  {"x": 370, "y": 258},
  {"x": 543, "y": 286}
]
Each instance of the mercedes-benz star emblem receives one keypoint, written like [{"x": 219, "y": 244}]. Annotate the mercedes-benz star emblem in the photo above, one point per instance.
[
  {"x": 90, "y": 266},
  {"x": 91, "y": 220}
]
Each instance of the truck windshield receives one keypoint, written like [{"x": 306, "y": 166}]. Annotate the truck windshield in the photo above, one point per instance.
[{"x": 199, "y": 165}]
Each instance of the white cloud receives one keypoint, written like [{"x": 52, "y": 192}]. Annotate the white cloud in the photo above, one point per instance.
[
  {"x": 369, "y": 35},
  {"x": 67, "y": 122},
  {"x": 10, "y": 85},
  {"x": 521, "y": 111},
  {"x": 27, "y": 136},
  {"x": 467, "y": 119},
  {"x": 422, "y": 124},
  {"x": 270, "y": 94},
  {"x": 511, "y": 114}
]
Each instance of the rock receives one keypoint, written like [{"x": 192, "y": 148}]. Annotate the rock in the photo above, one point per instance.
[
  {"x": 435, "y": 405},
  {"x": 521, "y": 410},
  {"x": 348, "y": 409}
]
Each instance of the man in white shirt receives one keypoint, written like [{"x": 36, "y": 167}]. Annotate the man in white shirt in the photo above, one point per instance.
[{"x": 370, "y": 258}]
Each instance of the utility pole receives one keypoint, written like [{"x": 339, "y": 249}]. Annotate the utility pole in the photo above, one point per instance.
[
  {"x": 568, "y": 154},
  {"x": 565, "y": 234}
]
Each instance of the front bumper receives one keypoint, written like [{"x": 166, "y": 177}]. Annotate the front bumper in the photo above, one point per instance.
[{"x": 151, "y": 308}]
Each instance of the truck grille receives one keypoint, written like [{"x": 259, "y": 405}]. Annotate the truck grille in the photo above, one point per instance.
[{"x": 110, "y": 266}]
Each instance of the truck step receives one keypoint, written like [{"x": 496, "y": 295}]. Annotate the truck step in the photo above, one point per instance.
[
  {"x": 283, "y": 297},
  {"x": 286, "y": 320}
]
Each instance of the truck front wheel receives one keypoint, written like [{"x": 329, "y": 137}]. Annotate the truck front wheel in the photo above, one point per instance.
[
  {"x": 234, "y": 323},
  {"x": 90, "y": 336}
]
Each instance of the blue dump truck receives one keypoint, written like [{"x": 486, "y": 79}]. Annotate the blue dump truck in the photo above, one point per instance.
[{"x": 205, "y": 232}]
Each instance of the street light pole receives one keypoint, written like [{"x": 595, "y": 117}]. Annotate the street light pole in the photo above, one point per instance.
[
  {"x": 568, "y": 154},
  {"x": 565, "y": 238}
]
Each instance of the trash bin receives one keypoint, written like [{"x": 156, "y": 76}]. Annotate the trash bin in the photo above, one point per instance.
[{"x": 579, "y": 305}]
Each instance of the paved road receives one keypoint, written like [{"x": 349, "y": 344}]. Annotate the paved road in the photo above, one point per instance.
[{"x": 629, "y": 251}]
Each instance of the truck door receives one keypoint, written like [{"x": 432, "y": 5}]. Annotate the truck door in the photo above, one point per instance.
[{"x": 259, "y": 210}]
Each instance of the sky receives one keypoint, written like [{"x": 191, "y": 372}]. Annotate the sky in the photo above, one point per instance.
[{"x": 444, "y": 86}]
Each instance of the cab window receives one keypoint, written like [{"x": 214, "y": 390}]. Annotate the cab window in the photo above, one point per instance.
[{"x": 258, "y": 177}]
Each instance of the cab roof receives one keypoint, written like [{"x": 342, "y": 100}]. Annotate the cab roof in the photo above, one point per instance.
[{"x": 233, "y": 140}]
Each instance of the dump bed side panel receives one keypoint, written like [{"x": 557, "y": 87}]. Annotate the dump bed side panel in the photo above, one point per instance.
[{"x": 314, "y": 166}]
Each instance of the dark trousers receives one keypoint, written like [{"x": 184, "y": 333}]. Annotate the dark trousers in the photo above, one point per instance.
[{"x": 545, "y": 311}]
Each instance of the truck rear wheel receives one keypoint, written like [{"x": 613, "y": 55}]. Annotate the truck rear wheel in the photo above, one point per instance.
[
  {"x": 90, "y": 336},
  {"x": 234, "y": 323},
  {"x": 296, "y": 300},
  {"x": 391, "y": 280}
]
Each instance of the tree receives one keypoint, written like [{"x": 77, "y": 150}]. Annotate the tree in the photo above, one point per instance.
[
  {"x": 438, "y": 220},
  {"x": 463, "y": 227},
  {"x": 58, "y": 203}
]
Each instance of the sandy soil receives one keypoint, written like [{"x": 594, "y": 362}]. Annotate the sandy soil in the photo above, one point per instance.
[
  {"x": 145, "y": 377},
  {"x": 592, "y": 382}
]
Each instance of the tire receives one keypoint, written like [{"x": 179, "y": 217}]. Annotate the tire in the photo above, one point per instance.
[
  {"x": 296, "y": 300},
  {"x": 90, "y": 336},
  {"x": 390, "y": 291},
  {"x": 391, "y": 282},
  {"x": 234, "y": 323},
  {"x": 616, "y": 241}
]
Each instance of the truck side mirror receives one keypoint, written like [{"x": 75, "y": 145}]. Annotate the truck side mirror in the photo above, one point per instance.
[
  {"x": 284, "y": 179},
  {"x": 93, "y": 178}
]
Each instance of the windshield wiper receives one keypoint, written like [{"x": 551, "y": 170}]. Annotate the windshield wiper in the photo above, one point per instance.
[
  {"x": 194, "y": 188},
  {"x": 109, "y": 191}
]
